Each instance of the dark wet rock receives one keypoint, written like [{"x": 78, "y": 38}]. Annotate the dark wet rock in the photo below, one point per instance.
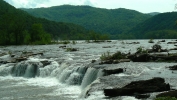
[
  {"x": 144, "y": 57},
  {"x": 173, "y": 49},
  {"x": 141, "y": 96},
  {"x": 62, "y": 46},
  {"x": 133, "y": 43},
  {"x": 139, "y": 87},
  {"x": 168, "y": 94},
  {"x": 108, "y": 41},
  {"x": 113, "y": 71},
  {"x": 106, "y": 47},
  {"x": 161, "y": 50},
  {"x": 45, "y": 63},
  {"x": 71, "y": 49},
  {"x": 3, "y": 54},
  {"x": 171, "y": 42},
  {"x": 156, "y": 48},
  {"x": 28, "y": 54},
  {"x": 12, "y": 55},
  {"x": 40, "y": 53},
  {"x": 162, "y": 41},
  {"x": 93, "y": 61},
  {"x": 20, "y": 59},
  {"x": 124, "y": 60},
  {"x": 114, "y": 61},
  {"x": 173, "y": 67},
  {"x": 163, "y": 57}
]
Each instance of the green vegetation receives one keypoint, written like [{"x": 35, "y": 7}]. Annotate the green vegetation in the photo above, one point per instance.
[
  {"x": 18, "y": 28},
  {"x": 71, "y": 49},
  {"x": 116, "y": 22},
  {"x": 116, "y": 56},
  {"x": 166, "y": 98},
  {"x": 119, "y": 23},
  {"x": 141, "y": 50},
  {"x": 161, "y": 26},
  {"x": 151, "y": 41}
]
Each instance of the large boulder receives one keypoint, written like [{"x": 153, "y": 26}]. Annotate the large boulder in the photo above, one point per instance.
[
  {"x": 139, "y": 87},
  {"x": 173, "y": 67},
  {"x": 144, "y": 57}
]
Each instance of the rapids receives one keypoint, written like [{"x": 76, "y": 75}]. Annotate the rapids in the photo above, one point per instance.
[{"x": 71, "y": 75}]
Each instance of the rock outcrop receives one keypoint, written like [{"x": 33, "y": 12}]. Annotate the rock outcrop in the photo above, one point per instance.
[{"x": 139, "y": 88}]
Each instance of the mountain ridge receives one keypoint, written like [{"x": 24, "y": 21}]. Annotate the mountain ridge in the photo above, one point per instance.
[
  {"x": 159, "y": 26},
  {"x": 17, "y": 27},
  {"x": 113, "y": 21}
]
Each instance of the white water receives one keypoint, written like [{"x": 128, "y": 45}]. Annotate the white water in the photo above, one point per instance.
[{"x": 66, "y": 78}]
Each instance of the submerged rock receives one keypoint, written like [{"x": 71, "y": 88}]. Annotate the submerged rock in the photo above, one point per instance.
[
  {"x": 113, "y": 71},
  {"x": 45, "y": 63},
  {"x": 137, "y": 88}
]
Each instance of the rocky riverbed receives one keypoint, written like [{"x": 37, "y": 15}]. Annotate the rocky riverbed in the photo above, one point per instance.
[{"x": 144, "y": 71}]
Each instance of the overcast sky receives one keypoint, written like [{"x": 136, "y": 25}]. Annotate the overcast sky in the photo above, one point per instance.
[{"x": 144, "y": 6}]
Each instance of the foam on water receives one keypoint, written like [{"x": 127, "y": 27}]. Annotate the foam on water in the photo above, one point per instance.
[
  {"x": 68, "y": 91},
  {"x": 60, "y": 77},
  {"x": 5, "y": 69},
  {"x": 41, "y": 82},
  {"x": 129, "y": 98},
  {"x": 98, "y": 95}
]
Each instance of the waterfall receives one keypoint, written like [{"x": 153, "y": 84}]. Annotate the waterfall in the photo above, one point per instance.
[
  {"x": 76, "y": 76},
  {"x": 49, "y": 70},
  {"x": 66, "y": 73},
  {"x": 91, "y": 75},
  {"x": 6, "y": 69},
  {"x": 72, "y": 75},
  {"x": 25, "y": 69}
]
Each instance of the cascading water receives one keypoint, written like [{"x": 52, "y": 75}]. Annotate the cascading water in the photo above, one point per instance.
[
  {"x": 26, "y": 69},
  {"x": 66, "y": 73},
  {"x": 91, "y": 75},
  {"x": 5, "y": 69}
]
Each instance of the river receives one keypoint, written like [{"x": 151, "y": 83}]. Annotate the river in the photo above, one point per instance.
[{"x": 68, "y": 76}]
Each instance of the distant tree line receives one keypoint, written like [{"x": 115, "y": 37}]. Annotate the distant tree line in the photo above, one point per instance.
[{"x": 19, "y": 28}]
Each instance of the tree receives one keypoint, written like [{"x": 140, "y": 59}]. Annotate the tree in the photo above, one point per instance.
[{"x": 38, "y": 35}]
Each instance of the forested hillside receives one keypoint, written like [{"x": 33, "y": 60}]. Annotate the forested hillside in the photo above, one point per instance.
[
  {"x": 160, "y": 26},
  {"x": 114, "y": 21},
  {"x": 18, "y": 27}
]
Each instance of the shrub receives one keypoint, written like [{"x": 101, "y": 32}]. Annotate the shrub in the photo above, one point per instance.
[
  {"x": 151, "y": 41},
  {"x": 74, "y": 42},
  {"x": 141, "y": 50},
  {"x": 118, "y": 55},
  {"x": 105, "y": 56}
]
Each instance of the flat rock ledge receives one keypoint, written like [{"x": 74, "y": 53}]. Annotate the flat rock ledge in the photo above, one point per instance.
[{"x": 139, "y": 89}]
